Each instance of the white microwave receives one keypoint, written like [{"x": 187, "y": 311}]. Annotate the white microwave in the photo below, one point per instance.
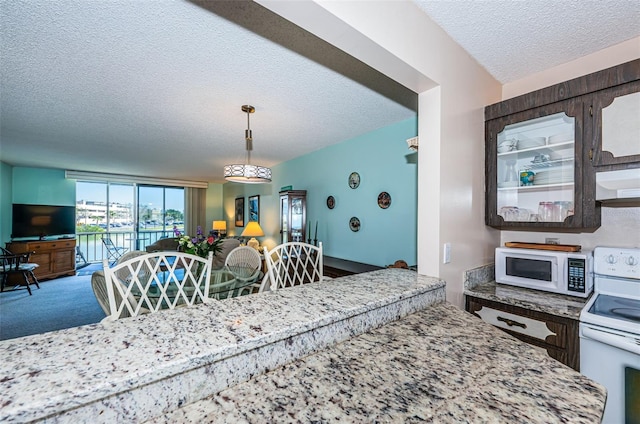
[{"x": 568, "y": 273}]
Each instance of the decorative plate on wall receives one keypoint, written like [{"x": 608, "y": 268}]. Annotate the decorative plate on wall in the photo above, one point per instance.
[
  {"x": 354, "y": 180},
  {"x": 331, "y": 202},
  {"x": 354, "y": 224},
  {"x": 384, "y": 200}
]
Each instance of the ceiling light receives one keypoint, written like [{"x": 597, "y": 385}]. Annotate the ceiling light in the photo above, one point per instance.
[{"x": 248, "y": 174}]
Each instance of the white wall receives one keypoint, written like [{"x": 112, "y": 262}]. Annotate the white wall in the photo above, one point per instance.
[
  {"x": 420, "y": 55},
  {"x": 620, "y": 226}
]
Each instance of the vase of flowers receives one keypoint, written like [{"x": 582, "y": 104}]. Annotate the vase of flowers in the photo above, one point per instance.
[{"x": 200, "y": 245}]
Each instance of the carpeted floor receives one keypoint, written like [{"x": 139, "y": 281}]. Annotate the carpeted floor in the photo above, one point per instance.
[{"x": 59, "y": 303}]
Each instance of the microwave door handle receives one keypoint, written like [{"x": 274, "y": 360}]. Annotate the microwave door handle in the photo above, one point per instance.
[{"x": 621, "y": 342}]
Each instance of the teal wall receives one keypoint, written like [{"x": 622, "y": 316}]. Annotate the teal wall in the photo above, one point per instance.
[
  {"x": 40, "y": 186},
  {"x": 36, "y": 186},
  {"x": 214, "y": 206},
  {"x": 380, "y": 157},
  {"x": 6, "y": 190},
  {"x": 384, "y": 163}
]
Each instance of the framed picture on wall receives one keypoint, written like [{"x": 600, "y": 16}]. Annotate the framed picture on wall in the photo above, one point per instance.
[
  {"x": 254, "y": 209},
  {"x": 240, "y": 212}
]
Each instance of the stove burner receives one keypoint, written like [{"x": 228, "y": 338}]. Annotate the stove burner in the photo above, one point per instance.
[{"x": 629, "y": 313}]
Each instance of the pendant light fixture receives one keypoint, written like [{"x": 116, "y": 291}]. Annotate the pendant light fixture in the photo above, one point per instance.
[{"x": 248, "y": 174}]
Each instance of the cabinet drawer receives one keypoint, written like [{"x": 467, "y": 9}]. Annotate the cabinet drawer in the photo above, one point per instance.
[
  {"x": 545, "y": 329},
  {"x": 516, "y": 323},
  {"x": 37, "y": 246}
]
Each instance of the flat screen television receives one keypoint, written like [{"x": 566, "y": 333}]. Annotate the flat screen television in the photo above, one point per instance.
[{"x": 43, "y": 221}]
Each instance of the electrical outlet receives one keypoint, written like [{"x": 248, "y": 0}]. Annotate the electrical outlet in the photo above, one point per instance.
[{"x": 446, "y": 254}]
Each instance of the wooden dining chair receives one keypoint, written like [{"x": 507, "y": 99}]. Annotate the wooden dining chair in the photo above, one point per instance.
[{"x": 18, "y": 264}]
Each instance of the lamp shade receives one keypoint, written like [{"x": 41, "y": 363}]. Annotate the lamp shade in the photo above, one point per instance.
[
  {"x": 252, "y": 230},
  {"x": 220, "y": 225}
]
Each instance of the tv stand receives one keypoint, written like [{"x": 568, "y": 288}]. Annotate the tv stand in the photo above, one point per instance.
[{"x": 54, "y": 257}]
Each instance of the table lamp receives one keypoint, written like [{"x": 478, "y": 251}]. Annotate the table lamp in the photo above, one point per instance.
[
  {"x": 253, "y": 230},
  {"x": 219, "y": 227}
]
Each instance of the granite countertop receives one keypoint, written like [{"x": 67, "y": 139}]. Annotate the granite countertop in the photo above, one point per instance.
[
  {"x": 437, "y": 365},
  {"x": 536, "y": 300},
  {"x": 133, "y": 369}
]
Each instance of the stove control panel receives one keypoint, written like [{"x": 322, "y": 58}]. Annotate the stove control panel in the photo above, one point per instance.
[{"x": 617, "y": 262}]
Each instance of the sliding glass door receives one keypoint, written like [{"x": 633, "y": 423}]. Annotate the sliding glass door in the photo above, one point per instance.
[{"x": 131, "y": 215}]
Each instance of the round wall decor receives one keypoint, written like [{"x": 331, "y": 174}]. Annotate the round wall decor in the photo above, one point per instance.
[
  {"x": 354, "y": 224},
  {"x": 354, "y": 180},
  {"x": 384, "y": 200},
  {"x": 331, "y": 202}
]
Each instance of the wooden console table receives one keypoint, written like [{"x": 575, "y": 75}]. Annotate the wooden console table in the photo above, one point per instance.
[
  {"x": 54, "y": 257},
  {"x": 336, "y": 267}
]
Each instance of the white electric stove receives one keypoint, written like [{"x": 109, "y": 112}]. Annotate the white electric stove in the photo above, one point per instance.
[{"x": 610, "y": 332}]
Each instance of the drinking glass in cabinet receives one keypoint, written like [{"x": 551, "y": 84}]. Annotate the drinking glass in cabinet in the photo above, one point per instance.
[{"x": 535, "y": 161}]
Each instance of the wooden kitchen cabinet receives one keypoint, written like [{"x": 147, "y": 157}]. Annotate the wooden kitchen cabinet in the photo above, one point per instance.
[
  {"x": 54, "y": 257},
  {"x": 616, "y": 128},
  {"x": 557, "y": 335},
  {"x": 543, "y": 150}
]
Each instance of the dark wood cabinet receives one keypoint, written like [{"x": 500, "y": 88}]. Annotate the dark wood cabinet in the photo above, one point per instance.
[
  {"x": 54, "y": 257},
  {"x": 543, "y": 150},
  {"x": 616, "y": 127},
  {"x": 559, "y": 336},
  {"x": 293, "y": 216}
]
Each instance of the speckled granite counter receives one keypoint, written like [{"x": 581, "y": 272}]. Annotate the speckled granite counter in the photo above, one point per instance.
[
  {"x": 134, "y": 369},
  {"x": 480, "y": 282},
  {"x": 536, "y": 300},
  {"x": 438, "y": 365}
]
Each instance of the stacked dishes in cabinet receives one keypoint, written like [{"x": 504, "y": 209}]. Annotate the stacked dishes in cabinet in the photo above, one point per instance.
[{"x": 536, "y": 179}]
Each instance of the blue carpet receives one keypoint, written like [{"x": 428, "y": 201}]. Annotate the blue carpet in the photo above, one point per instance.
[{"x": 59, "y": 303}]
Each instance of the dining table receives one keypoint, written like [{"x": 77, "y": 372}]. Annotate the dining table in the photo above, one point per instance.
[{"x": 223, "y": 284}]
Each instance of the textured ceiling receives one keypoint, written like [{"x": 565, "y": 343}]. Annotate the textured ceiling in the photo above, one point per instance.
[
  {"x": 155, "y": 88},
  {"x": 512, "y": 39}
]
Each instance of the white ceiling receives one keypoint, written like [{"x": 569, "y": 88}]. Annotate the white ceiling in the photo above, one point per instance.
[
  {"x": 155, "y": 88},
  {"x": 515, "y": 38}
]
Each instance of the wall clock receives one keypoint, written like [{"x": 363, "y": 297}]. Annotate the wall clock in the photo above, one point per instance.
[
  {"x": 354, "y": 180},
  {"x": 354, "y": 224}
]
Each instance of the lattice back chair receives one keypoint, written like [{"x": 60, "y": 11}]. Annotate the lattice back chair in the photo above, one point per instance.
[
  {"x": 150, "y": 282},
  {"x": 99, "y": 284},
  {"x": 113, "y": 252},
  {"x": 244, "y": 264},
  {"x": 17, "y": 264},
  {"x": 292, "y": 264}
]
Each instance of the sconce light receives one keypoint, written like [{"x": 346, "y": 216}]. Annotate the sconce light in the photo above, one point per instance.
[{"x": 413, "y": 143}]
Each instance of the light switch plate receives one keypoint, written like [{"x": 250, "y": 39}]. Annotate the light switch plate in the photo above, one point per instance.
[{"x": 446, "y": 254}]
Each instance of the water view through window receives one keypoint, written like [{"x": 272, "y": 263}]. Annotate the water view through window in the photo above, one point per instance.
[{"x": 132, "y": 216}]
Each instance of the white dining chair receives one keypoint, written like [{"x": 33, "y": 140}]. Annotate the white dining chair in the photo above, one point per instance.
[
  {"x": 293, "y": 264},
  {"x": 244, "y": 263},
  {"x": 149, "y": 282}
]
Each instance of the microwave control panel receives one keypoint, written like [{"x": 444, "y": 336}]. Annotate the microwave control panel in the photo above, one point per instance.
[{"x": 576, "y": 272}]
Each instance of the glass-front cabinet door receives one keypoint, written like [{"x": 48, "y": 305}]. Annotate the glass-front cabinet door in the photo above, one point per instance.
[
  {"x": 534, "y": 168},
  {"x": 293, "y": 213}
]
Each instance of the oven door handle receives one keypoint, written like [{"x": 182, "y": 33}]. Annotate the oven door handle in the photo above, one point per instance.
[{"x": 630, "y": 344}]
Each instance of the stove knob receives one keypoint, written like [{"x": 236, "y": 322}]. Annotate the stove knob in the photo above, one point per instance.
[
  {"x": 611, "y": 259},
  {"x": 631, "y": 261}
]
